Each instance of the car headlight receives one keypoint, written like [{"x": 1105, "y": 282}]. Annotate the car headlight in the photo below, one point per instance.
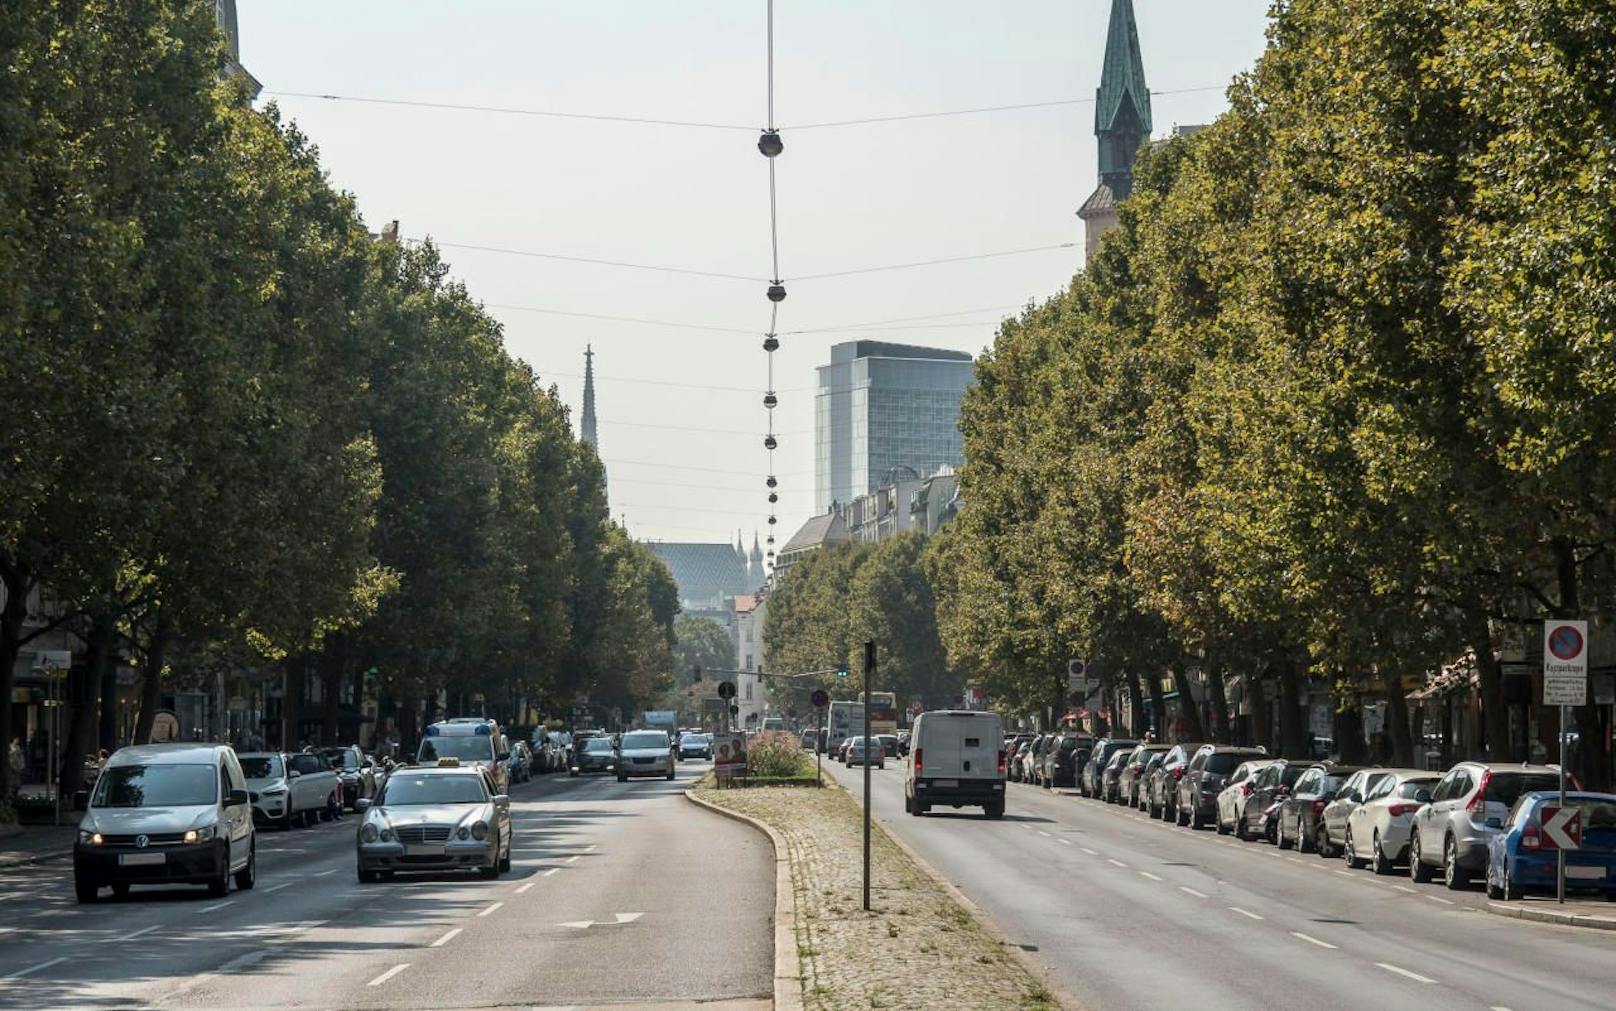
[
  {"x": 387, "y": 834},
  {"x": 200, "y": 835},
  {"x": 368, "y": 832},
  {"x": 89, "y": 838},
  {"x": 274, "y": 791},
  {"x": 464, "y": 833},
  {"x": 479, "y": 831}
]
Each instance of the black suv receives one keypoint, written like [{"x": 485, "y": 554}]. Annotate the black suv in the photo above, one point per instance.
[
  {"x": 1061, "y": 759},
  {"x": 1089, "y": 784},
  {"x": 1171, "y": 776},
  {"x": 1303, "y": 808},
  {"x": 1207, "y": 775}
]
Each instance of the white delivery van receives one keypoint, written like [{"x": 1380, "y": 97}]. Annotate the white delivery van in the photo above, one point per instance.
[{"x": 956, "y": 759}]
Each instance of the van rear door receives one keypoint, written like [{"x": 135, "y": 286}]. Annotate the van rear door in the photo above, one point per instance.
[{"x": 961, "y": 745}]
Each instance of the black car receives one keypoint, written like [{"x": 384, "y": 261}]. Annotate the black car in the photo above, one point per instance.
[
  {"x": 1206, "y": 776},
  {"x": 1130, "y": 785},
  {"x": 1089, "y": 784},
  {"x": 1268, "y": 789},
  {"x": 1060, "y": 759},
  {"x": 1176, "y": 806},
  {"x": 1301, "y": 811}
]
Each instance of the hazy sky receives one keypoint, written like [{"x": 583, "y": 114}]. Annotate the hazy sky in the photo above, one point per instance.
[{"x": 681, "y": 415}]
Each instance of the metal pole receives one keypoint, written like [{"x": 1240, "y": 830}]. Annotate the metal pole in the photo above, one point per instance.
[
  {"x": 869, "y": 676},
  {"x": 819, "y": 752},
  {"x": 1559, "y": 854}
]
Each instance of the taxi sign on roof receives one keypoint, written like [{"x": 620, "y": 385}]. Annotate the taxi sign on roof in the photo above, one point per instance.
[{"x": 448, "y": 763}]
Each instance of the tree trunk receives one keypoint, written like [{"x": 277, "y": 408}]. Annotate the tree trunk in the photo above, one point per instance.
[
  {"x": 107, "y": 690},
  {"x": 1158, "y": 718},
  {"x": 17, "y": 584},
  {"x": 1186, "y": 705},
  {"x": 1397, "y": 731},
  {"x": 1262, "y": 724},
  {"x": 1292, "y": 732},
  {"x": 1490, "y": 675},
  {"x": 1136, "y": 707},
  {"x": 1220, "y": 701},
  {"x": 330, "y": 691},
  {"x": 291, "y": 703},
  {"x": 81, "y": 726},
  {"x": 151, "y": 681},
  {"x": 1348, "y": 729}
]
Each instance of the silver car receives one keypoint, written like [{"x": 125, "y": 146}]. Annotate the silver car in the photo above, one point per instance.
[
  {"x": 1332, "y": 827},
  {"x": 437, "y": 818},
  {"x": 645, "y": 753},
  {"x": 1468, "y": 808},
  {"x": 1378, "y": 829}
]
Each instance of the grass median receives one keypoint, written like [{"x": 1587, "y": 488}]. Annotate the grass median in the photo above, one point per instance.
[{"x": 917, "y": 949}]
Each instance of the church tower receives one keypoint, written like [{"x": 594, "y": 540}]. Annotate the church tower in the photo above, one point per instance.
[
  {"x": 1121, "y": 122},
  {"x": 759, "y": 574},
  {"x": 587, "y": 427}
]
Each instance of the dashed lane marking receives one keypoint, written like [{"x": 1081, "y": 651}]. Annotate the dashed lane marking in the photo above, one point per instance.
[
  {"x": 1147, "y": 874},
  {"x": 1416, "y": 977},
  {"x": 1245, "y": 912},
  {"x": 20, "y": 973},
  {"x": 1064, "y": 842},
  {"x": 490, "y": 909},
  {"x": 275, "y": 888},
  {"x": 1092, "y": 853},
  {"x": 1191, "y": 891},
  {"x": 215, "y": 907},
  {"x": 1118, "y": 863},
  {"x": 321, "y": 874},
  {"x": 389, "y": 974},
  {"x": 551, "y": 871},
  {"x": 1438, "y": 898},
  {"x": 135, "y": 934},
  {"x": 525, "y": 887},
  {"x": 1312, "y": 940},
  {"x": 1405, "y": 888},
  {"x": 571, "y": 860},
  {"x": 446, "y": 938}
]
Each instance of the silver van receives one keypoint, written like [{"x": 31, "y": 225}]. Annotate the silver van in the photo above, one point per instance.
[{"x": 164, "y": 814}]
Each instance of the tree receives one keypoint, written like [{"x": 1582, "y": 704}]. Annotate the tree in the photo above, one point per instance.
[{"x": 700, "y": 642}]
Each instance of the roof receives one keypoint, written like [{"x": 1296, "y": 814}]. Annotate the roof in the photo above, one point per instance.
[
  {"x": 178, "y": 753},
  {"x": 849, "y": 350},
  {"x": 1102, "y": 199},
  {"x": 819, "y": 530},
  {"x": 704, "y": 572},
  {"x": 1122, "y": 80},
  {"x": 745, "y": 602}
]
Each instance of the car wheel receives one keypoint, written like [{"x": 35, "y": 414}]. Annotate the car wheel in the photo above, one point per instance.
[
  {"x": 1417, "y": 871},
  {"x": 1180, "y": 817},
  {"x": 1382, "y": 863},
  {"x": 921, "y": 807},
  {"x": 1321, "y": 842},
  {"x": 285, "y": 822},
  {"x": 1304, "y": 842},
  {"x": 489, "y": 872},
  {"x": 1454, "y": 876},
  {"x": 1281, "y": 840},
  {"x": 219, "y": 887},
  {"x": 1223, "y": 826},
  {"x": 120, "y": 889},
  {"x": 993, "y": 811},
  {"x": 86, "y": 891},
  {"x": 505, "y": 861},
  {"x": 670, "y": 775},
  {"x": 1512, "y": 891},
  {"x": 331, "y": 808},
  {"x": 1494, "y": 889},
  {"x": 1196, "y": 821},
  {"x": 622, "y": 778},
  {"x": 1240, "y": 831},
  {"x": 573, "y": 773},
  {"x": 1349, "y": 853},
  {"x": 248, "y": 875}
]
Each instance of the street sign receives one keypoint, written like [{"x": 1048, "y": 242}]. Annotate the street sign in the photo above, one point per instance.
[
  {"x": 821, "y": 698},
  {"x": 1565, "y": 663},
  {"x": 726, "y": 689},
  {"x": 1562, "y": 827}
]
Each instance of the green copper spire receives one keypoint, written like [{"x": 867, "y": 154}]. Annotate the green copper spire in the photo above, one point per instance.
[{"x": 1122, "y": 102}]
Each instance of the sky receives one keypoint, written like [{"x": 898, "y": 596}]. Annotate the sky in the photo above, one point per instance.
[{"x": 680, "y": 408}]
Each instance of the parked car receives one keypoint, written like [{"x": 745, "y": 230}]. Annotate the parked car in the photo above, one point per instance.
[
  {"x": 809, "y": 737},
  {"x": 354, "y": 769},
  {"x": 521, "y": 762},
  {"x": 287, "y": 789},
  {"x": 167, "y": 814},
  {"x": 1268, "y": 791},
  {"x": 1132, "y": 780},
  {"x": 1106, "y": 747},
  {"x": 1013, "y": 755},
  {"x": 956, "y": 758},
  {"x": 1236, "y": 792},
  {"x": 1029, "y": 758},
  {"x": 1141, "y": 792},
  {"x": 1467, "y": 809},
  {"x": 1331, "y": 831},
  {"x": 645, "y": 753},
  {"x": 1177, "y": 805},
  {"x": 1301, "y": 813},
  {"x": 1518, "y": 859},
  {"x": 1205, "y": 777},
  {"x": 865, "y": 751},
  {"x": 1058, "y": 766},
  {"x": 1384, "y": 817},
  {"x": 1111, "y": 776}
]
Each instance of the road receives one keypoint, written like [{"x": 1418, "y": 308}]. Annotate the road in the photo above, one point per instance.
[
  {"x": 1132, "y": 913},
  {"x": 619, "y": 893}
]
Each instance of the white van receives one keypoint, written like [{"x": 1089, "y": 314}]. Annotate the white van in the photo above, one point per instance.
[{"x": 956, "y": 759}]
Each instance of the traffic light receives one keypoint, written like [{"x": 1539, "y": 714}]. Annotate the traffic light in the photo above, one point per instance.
[{"x": 841, "y": 669}]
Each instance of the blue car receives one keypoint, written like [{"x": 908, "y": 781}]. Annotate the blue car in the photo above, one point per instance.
[{"x": 1517, "y": 857}]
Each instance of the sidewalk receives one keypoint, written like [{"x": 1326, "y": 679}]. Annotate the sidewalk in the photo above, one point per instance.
[
  {"x": 918, "y": 949},
  {"x": 1578, "y": 911},
  {"x": 31, "y": 844}
]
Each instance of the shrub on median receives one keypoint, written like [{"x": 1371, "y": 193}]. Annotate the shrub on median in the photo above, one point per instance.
[{"x": 777, "y": 756}]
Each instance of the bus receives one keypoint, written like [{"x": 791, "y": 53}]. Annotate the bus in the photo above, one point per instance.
[{"x": 883, "y": 713}]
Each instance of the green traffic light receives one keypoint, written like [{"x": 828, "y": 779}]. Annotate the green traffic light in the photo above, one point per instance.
[{"x": 841, "y": 670}]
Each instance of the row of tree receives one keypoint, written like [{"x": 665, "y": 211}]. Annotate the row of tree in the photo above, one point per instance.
[
  {"x": 240, "y": 432},
  {"x": 1338, "y": 396}
]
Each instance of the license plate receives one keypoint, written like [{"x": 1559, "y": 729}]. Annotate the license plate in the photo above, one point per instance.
[
  {"x": 1586, "y": 873},
  {"x": 423, "y": 851},
  {"x": 945, "y": 783},
  {"x": 135, "y": 859}
]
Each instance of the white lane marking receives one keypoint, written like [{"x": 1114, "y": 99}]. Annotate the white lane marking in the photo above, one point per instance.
[
  {"x": 135, "y": 934},
  {"x": 1405, "y": 888},
  {"x": 446, "y": 938},
  {"x": 1147, "y": 874},
  {"x": 1496, "y": 1007},
  {"x": 1416, "y": 977},
  {"x": 1043, "y": 833},
  {"x": 627, "y": 917},
  {"x": 490, "y": 909},
  {"x": 274, "y": 888},
  {"x": 1092, "y": 853},
  {"x": 525, "y": 887},
  {"x": 1347, "y": 875},
  {"x": 1438, "y": 898},
  {"x": 1191, "y": 891},
  {"x": 321, "y": 874},
  {"x": 1118, "y": 863},
  {"x": 571, "y": 860},
  {"x": 389, "y": 974},
  {"x": 20, "y": 973},
  {"x": 215, "y": 907},
  {"x": 1245, "y": 912},
  {"x": 1295, "y": 860},
  {"x": 1064, "y": 842},
  {"x": 1312, "y": 940},
  {"x": 579, "y": 924},
  {"x": 550, "y": 872}
]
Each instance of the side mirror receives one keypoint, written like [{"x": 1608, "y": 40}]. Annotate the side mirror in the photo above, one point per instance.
[
  {"x": 502, "y": 800},
  {"x": 293, "y": 774},
  {"x": 361, "y": 805},
  {"x": 237, "y": 798},
  {"x": 1354, "y": 797}
]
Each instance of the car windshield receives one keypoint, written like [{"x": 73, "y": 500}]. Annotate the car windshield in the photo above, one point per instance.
[
  {"x": 1291, "y": 773},
  {"x": 156, "y": 785},
  {"x": 645, "y": 739},
  {"x": 433, "y": 788},
  {"x": 1221, "y": 763},
  {"x": 1409, "y": 788},
  {"x": 1506, "y": 787},
  {"x": 343, "y": 759},
  {"x": 467, "y": 748},
  {"x": 598, "y": 745},
  {"x": 261, "y": 767}
]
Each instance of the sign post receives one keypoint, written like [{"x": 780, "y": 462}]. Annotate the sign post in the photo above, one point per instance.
[
  {"x": 869, "y": 676},
  {"x": 821, "y": 699},
  {"x": 1565, "y": 684}
]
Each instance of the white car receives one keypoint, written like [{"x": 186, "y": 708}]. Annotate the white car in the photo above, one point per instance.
[
  {"x": 1378, "y": 829},
  {"x": 286, "y": 789}
]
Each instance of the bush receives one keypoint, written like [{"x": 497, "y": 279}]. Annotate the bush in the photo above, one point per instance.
[{"x": 775, "y": 755}]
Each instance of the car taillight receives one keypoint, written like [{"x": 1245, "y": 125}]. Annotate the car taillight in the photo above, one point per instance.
[
  {"x": 1478, "y": 804},
  {"x": 1398, "y": 810},
  {"x": 1178, "y": 773},
  {"x": 1530, "y": 837},
  {"x": 918, "y": 763},
  {"x": 1318, "y": 807},
  {"x": 1001, "y": 763},
  {"x": 1245, "y": 788}
]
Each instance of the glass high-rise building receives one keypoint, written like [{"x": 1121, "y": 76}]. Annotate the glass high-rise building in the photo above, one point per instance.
[{"x": 881, "y": 411}]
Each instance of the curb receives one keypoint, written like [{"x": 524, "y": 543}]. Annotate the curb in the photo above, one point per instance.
[
  {"x": 1546, "y": 916},
  {"x": 787, "y": 970},
  {"x": 1034, "y": 968}
]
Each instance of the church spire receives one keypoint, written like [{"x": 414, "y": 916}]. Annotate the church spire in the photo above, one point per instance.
[
  {"x": 1122, "y": 102},
  {"x": 588, "y": 425}
]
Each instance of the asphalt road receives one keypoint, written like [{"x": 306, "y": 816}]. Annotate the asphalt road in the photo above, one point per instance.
[
  {"x": 620, "y": 893},
  {"x": 1131, "y": 913}
]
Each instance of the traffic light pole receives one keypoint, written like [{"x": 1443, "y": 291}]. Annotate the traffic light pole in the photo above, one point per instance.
[{"x": 869, "y": 676}]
